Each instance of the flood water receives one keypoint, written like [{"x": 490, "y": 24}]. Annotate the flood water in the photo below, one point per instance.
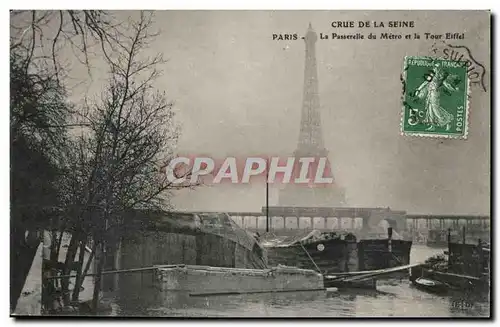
[{"x": 394, "y": 298}]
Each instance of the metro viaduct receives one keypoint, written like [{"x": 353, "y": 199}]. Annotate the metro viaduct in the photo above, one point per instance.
[
  {"x": 331, "y": 218},
  {"x": 416, "y": 221}
]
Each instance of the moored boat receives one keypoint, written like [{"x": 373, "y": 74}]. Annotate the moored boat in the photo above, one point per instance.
[
  {"x": 463, "y": 268},
  {"x": 430, "y": 285},
  {"x": 333, "y": 253},
  {"x": 327, "y": 253},
  {"x": 204, "y": 281}
]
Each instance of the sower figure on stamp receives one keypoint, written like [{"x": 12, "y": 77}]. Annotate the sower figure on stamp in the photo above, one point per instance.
[{"x": 437, "y": 82}]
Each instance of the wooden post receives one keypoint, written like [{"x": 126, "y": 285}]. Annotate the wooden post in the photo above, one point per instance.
[
  {"x": 267, "y": 197},
  {"x": 389, "y": 234},
  {"x": 463, "y": 234},
  {"x": 117, "y": 263},
  {"x": 481, "y": 258},
  {"x": 449, "y": 248},
  {"x": 324, "y": 222}
]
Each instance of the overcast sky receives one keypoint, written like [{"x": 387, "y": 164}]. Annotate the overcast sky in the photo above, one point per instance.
[{"x": 239, "y": 93}]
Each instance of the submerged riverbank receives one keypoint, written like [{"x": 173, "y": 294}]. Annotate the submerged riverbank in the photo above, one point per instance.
[{"x": 394, "y": 298}]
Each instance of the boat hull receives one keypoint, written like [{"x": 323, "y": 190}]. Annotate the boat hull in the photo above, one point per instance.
[
  {"x": 435, "y": 287},
  {"x": 203, "y": 280},
  {"x": 337, "y": 255},
  {"x": 455, "y": 282},
  {"x": 329, "y": 256}
]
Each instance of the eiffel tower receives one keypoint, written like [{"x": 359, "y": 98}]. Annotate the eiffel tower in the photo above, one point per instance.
[{"x": 310, "y": 143}]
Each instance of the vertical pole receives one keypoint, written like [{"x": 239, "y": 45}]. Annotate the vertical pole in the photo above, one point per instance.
[
  {"x": 481, "y": 264},
  {"x": 463, "y": 234},
  {"x": 267, "y": 195},
  {"x": 389, "y": 246},
  {"x": 416, "y": 229},
  {"x": 389, "y": 234},
  {"x": 118, "y": 265},
  {"x": 450, "y": 256}
]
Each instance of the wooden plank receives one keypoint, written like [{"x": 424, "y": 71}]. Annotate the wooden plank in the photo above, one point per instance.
[
  {"x": 360, "y": 275},
  {"x": 365, "y": 272},
  {"x": 454, "y": 275},
  {"x": 121, "y": 271}
]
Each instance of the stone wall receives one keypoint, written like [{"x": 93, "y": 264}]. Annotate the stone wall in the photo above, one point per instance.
[{"x": 150, "y": 248}]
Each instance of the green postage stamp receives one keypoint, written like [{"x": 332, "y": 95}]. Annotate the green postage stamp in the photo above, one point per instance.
[{"x": 436, "y": 102}]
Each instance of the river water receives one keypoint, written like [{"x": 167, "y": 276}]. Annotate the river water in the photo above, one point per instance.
[{"x": 393, "y": 298}]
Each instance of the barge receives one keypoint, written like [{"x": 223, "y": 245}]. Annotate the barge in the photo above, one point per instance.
[
  {"x": 205, "y": 281},
  {"x": 331, "y": 253},
  {"x": 465, "y": 270}
]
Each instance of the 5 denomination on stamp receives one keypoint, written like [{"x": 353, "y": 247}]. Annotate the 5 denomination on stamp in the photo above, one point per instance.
[{"x": 435, "y": 98}]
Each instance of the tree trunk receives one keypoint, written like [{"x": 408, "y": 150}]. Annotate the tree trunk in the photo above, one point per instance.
[
  {"x": 81, "y": 257},
  {"x": 53, "y": 247},
  {"x": 59, "y": 242},
  {"x": 98, "y": 278},
  {"x": 23, "y": 249},
  {"x": 87, "y": 267},
  {"x": 68, "y": 263}
]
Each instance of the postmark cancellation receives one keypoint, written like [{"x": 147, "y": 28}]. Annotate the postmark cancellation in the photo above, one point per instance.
[{"x": 435, "y": 98}]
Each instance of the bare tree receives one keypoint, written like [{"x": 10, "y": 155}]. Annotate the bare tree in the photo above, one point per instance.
[
  {"x": 40, "y": 118},
  {"x": 131, "y": 132},
  {"x": 41, "y": 37},
  {"x": 127, "y": 135},
  {"x": 36, "y": 101}
]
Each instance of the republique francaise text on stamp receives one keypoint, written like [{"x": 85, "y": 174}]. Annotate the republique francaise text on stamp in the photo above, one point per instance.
[{"x": 435, "y": 98}]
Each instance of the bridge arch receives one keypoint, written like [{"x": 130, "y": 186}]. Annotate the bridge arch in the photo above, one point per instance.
[{"x": 394, "y": 219}]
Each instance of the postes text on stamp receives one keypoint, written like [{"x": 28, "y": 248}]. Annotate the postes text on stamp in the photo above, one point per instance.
[{"x": 435, "y": 98}]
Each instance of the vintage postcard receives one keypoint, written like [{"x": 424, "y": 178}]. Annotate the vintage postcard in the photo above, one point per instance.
[{"x": 250, "y": 163}]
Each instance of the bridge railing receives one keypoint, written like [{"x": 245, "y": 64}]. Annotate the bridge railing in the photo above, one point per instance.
[{"x": 258, "y": 222}]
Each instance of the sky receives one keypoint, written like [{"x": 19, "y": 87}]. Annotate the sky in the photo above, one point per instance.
[{"x": 239, "y": 93}]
